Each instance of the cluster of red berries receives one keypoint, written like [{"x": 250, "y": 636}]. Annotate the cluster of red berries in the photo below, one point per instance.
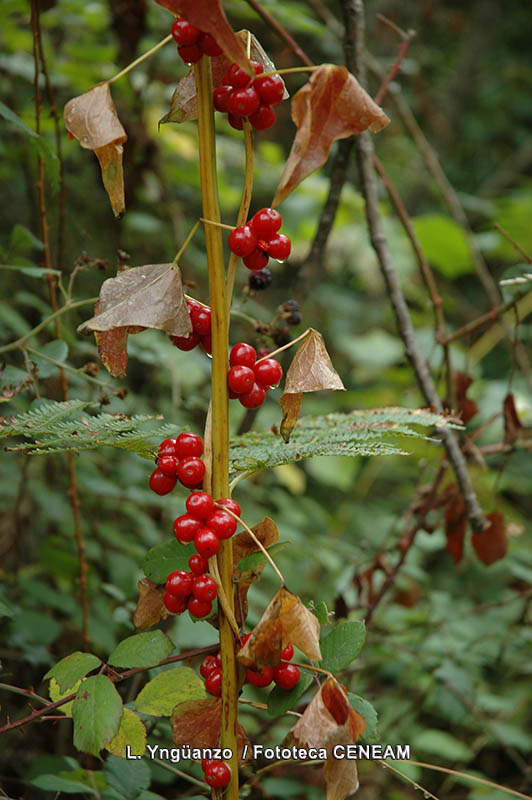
[
  {"x": 217, "y": 773},
  {"x": 206, "y": 525},
  {"x": 192, "y": 43},
  {"x": 178, "y": 459},
  {"x": 259, "y": 240},
  {"x": 241, "y": 96},
  {"x": 200, "y": 317},
  {"x": 194, "y": 590},
  {"x": 248, "y": 379}
]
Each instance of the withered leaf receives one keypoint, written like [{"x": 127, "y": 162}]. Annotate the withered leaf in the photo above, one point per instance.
[
  {"x": 331, "y": 105},
  {"x": 209, "y": 16},
  {"x": 150, "y": 605},
  {"x": 291, "y": 407},
  {"x": 455, "y": 525},
  {"x": 492, "y": 543},
  {"x": 285, "y": 621},
  {"x": 243, "y": 544},
  {"x": 196, "y": 723},
  {"x": 512, "y": 423},
  {"x": 465, "y": 406},
  {"x": 92, "y": 119}
]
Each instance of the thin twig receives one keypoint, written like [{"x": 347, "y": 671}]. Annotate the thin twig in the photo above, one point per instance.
[
  {"x": 257, "y": 542},
  {"x": 472, "y": 778},
  {"x": 283, "y": 33},
  {"x": 489, "y": 316},
  {"x": 285, "y": 346},
  {"x": 243, "y": 211},
  {"x": 406, "y": 39},
  {"x": 141, "y": 58},
  {"x": 61, "y": 365},
  {"x": 19, "y": 343},
  {"x": 408, "y": 779},
  {"x": 514, "y": 243}
]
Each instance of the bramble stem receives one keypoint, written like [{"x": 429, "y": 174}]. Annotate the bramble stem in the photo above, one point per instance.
[
  {"x": 141, "y": 58},
  {"x": 257, "y": 542},
  {"x": 244, "y": 206},
  {"x": 285, "y": 346}
]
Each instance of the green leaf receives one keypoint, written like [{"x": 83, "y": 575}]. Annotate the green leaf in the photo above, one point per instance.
[
  {"x": 255, "y": 560},
  {"x": 368, "y": 712},
  {"x": 444, "y": 244},
  {"x": 129, "y": 778},
  {"x": 56, "y": 350},
  {"x": 131, "y": 733},
  {"x": 32, "y": 272},
  {"x": 169, "y": 688},
  {"x": 342, "y": 645},
  {"x": 6, "y": 610},
  {"x": 281, "y": 700},
  {"x": 141, "y": 650},
  {"x": 56, "y": 694},
  {"x": 96, "y": 712},
  {"x": 444, "y": 745},
  {"x": 23, "y": 240},
  {"x": 54, "y": 783},
  {"x": 165, "y": 558},
  {"x": 15, "y": 120},
  {"x": 70, "y": 669},
  {"x": 41, "y": 420},
  {"x": 321, "y": 611}
]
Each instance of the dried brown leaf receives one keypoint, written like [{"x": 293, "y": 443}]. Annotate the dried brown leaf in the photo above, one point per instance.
[
  {"x": 150, "y": 605},
  {"x": 196, "y": 723},
  {"x": 492, "y": 543},
  {"x": 110, "y": 158},
  {"x": 244, "y": 544},
  {"x": 311, "y": 369},
  {"x": 465, "y": 407},
  {"x": 512, "y": 423},
  {"x": 331, "y": 105},
  {"x": 291, "y": 407}
]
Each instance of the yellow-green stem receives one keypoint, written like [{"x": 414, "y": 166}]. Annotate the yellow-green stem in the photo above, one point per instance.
[{"x": 220, "y": 415}]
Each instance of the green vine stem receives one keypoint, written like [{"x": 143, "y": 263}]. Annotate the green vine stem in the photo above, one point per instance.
[{"x": 219, "y": 400}]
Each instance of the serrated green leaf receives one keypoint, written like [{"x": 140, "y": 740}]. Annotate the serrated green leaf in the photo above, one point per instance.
[
  {"x": 96, "y": 712},
  {"x": 129, "y": 778},
  {"x": 281, "y": 700},
  {"x": 254, "y": 560},
  {"x": 131, "y": 733},
  {"x": 70, "y": 669},
  {"x": 56, "y": 694},
  {"x": 54, "y": 783},
  {"x": 141, "y": 650},
  {"x": 165, "y": 558},
  {"x": 342, "y": 645},
  {"x": 169, "y": 688},
  {"x": 368, "y": 712}
]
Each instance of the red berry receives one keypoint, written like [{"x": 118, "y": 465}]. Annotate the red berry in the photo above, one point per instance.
[
  {"x": 242, "y": 354},
  {"x": 256, "y": 260},
  {"x": 199, "y": 608},
  {"x": 279, "y": 247},
  {"x": 206, "y": 762},
  {"x": 206, "y": 343},
  {"x": 264, "y": 351},
  {"x": 186, "y": 527},
  {"x": 243, "y": 102},
  {"x": 198, "y": 565},
  {"x": 235, "y": 122},
  {"x": 168, "y": 465},
  {"x": 161, "y": 483},
  {"x": 175, "y": 604},
  {"x": 245, "y": 638},
  {"x": 266, "y": 223},
  {"x": 206, "y": 542},
  {"x": 240, "y": 379},
  {"x": 191, "y": 472},
  {"x": 213, "y": 682},
  {"x": 287, "y": 653},
  {"x": 270, "y": 89},
  {"x": 208, "y": 664},
  {"x": 218, "y": 774},
  {"x": 286, "y": 675},
  {"x": 189, "y": 445},
  {"x": 263, "y": 118},
  {"x": 254, "y": 398},
  {"x": 200, "y": 504},
  {"x": 201, "y": 320},
  {"x": 190, "y": 54},
  {"x": 257, "y": 67},
  {"x": 204, "y": 588},
  {"x": 209, "y": 45},
  {"x": 236, "y": 77},
  {"x": 242, "y": 241},
  {"x": 186, "y": 342},
  {"x": 260, "y": 677},
  {"x": 268, "y": 372},
  {"x": 184, "y": 33},
  {"x": 168, "y": 447},
  {"x": 222, "y": 523},
  {"x": 220, "y": 98},
  {"x": 232, "y": 505},
  {"x": 179, "y": 583}
]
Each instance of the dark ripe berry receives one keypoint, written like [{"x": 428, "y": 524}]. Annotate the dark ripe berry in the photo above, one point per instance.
[
  {"x": 190, "y": 54},
  {"x": 168, "y": 447},
  {"x": 206, "y": 542},
  {"x": 240, "y": 379},
  {"x": 295, "y": 318},
  {"x": 218, "y": 775},
  {"x": 186, "y": 342},
  {"x": 236, "y": 77},
  {"x": 235, "y": 122},
  {"x": 242, "y": 241},
  {"x": 281, "y": 336},
  {"x": 199, "y": 608},
  {"x": 189, "y": 444},
  {"x": 201, "y": 320},
  {"x": 184, "y": 33},
  {"x": 186, "y": 527},
  {"x": 266, "y": 223},
  {"x": 168, "y": 465},
  {"x": 200, "y": 504},
  {"x": 243, "y": 102},
  {"x": 287, "y": 653},
  {"x": 198, "y": 565},
  {"x": 260, "y": 279},
  {"x": 260, "y": 677},
  {"x": 222, "y": 523},
  {"x": 175, "y": 604},
  {"x": 206, "y": 343},
  {"x": 256, "y": 260},
  {"x": 270, "y": 89},
  {"x": 232, "y": 505},
  {"x": 191, "y": 472},
  {"x": 208, "y": 664},
  {"x": 220, "y": 98},
  {"x": 242, "y": 354},
  {"x": 263, "y": 118},
  {"x": 161, "y": 483},
  {"x": 286, "y": 676},
  {"x": 254, "y": 398},
  {"x": 204, "y": 588},
  {"x": 213, "y": 682},
  {"x": 209, "y": 45},
  {"x": 279, "y": 247},
  {"x": 268, "y": 372},
  {"x": 179, "y": 583}
]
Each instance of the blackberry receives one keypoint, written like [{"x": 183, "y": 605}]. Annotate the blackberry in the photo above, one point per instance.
[{"x": 260, "y": 279}]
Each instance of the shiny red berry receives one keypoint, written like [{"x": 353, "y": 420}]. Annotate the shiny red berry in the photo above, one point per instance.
[
  {"x": 213, "y": 682},
  {"x": 186, "y": 342},
  {"x": 243, "y": 102},
  {"x": 168, "y": 447},
  {"x": 186, "y": 527},
  {"x": 190, "y": 54},
  {"x": 208, "y": 664},
  {"x": 232, "y": 505},
  {"x": 184, "y": 33},
  {"x": 199, "y": 608},
  {"x": 263, "y": 118},
  {"x": 191, "y": 472},
  {"x": 206, "y": 542},
  {"x": 175, "y": 604},
  {"x": 179, "y": 583},
  {"x": 287, "y": 653},
  {"x": 206, "y": 343},
  {"x": 258, "y": 67},
  {"x": 268, "y": 372},
  {"x": 254, "y": 398},
  {"x": 222, "y": 523},
  {"x": 189, "y": 445},
  {"x": 201, "y": 320},
  {"x": 270, "y": 89},
  {"x": 256, "y": 260},
  {"x": 279, "y": 247},
  {"x": 260, "y": 677},
  {"x": 198, "y": 565},
  {"x": 209, "y": 45},
  {"x": 236, "y": 77},
  {"x": 161, "y": 483},
  {"x": 242, "y": 354},
  {"x": 218, "y": 774},
  {"x": 200, "y": 504},
  {"x": 204, "y": 588},
  {"x": 235, "y": 122},
  {"x": 220, "y": 98},
  {"x": 168, "y": 465},
  {"x": 205, "y": 762},
  {"x": 240, "y": 379},
  {"x": 265, "y": 223},
  {"x": 242, "y": 241},
  {"x": 286, "y": 676}
]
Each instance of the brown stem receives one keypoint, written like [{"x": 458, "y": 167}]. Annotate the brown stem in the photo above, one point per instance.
[
  {"x": 283, "y": 33},
  {"x": 489, "y": 316},
  {"x": 514, "y": 243},
  {"x": 406, "y": 39}
]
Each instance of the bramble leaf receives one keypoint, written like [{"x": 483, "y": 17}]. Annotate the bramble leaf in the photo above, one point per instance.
[
  {"x": 342, "y": 645},
  {"x": 97, "y": 711},
  {"x": 131, "y": 732},
  {"x": 141, "y": 650},
  {"x": 71, "y": 668},
  {"x": 162, "y": 693}
]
